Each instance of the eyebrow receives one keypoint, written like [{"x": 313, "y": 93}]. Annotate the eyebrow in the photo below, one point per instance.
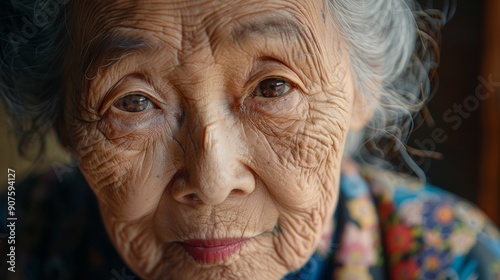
[
  {"x": 271, "y": 26},
  {"x": 107, "y": 49}
]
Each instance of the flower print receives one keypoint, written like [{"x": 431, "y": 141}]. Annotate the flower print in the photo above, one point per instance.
[
  {"x": 461, "y": 241},
  {"x": 439, "y": 216},
  {"x": 433, "y": 263},
  {"x": 385, "y": 210},
  {"x": 357, "y": 247},
  {"x": 362, "y": 211},
  {"x": 433, "y": 238},
  {"x": 352, "y": 272},
  {"x": 398, "y": 239},
  {"x": 470, "y": 215},
  {"x": 411, "y": 212},
  {"x": 444, "y": 214},
  {"x": 404, "y": 270},
  {"x": 353, "y": 185}
]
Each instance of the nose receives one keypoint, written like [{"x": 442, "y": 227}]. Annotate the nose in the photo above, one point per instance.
[{"x": 213, "y": 170}]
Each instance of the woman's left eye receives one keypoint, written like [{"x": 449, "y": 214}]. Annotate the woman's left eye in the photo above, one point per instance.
[
  {"x": 272, "y": 87},
  {"x": 133, "y": 103}
]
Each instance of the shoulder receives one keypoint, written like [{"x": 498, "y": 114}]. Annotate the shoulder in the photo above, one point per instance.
[{"x": 440, "y": 234}]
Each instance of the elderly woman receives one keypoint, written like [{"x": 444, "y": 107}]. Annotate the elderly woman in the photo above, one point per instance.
[{"x": 221, "y": 140}]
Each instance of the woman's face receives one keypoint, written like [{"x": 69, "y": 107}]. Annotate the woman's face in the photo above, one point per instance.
[{"x": 210, "y": 131}]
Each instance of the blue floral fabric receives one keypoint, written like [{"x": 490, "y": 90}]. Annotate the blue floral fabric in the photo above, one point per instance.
[
  {"x": 385, "y": 227},
  {"x": 391, "y": 227}
]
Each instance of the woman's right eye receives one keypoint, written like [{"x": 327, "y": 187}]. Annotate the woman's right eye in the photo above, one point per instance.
[{"x": 134, "y": 103}]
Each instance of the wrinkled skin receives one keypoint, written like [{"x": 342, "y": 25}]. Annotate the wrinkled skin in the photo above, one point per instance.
[{"x": 210, "y": 158}]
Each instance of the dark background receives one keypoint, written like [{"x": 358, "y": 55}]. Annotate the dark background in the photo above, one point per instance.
[{"x": 460, "y": 65}]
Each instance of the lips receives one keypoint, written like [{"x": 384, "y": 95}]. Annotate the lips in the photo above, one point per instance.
[{"x": 212, "y": 251}]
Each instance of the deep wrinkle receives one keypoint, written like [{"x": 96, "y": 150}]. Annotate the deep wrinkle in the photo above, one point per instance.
[{"x": 210, "y": 161}]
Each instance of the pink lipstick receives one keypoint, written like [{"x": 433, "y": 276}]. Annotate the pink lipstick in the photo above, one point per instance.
[{"x": 212, "y": 251}]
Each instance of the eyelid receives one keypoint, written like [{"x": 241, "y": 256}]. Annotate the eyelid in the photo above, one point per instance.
[
  {"x": 269, "y": 68},
  {"x": 120, "y": 103},
  {"x": 291, "y": 86},
  {"x": 128, "y": 85}
]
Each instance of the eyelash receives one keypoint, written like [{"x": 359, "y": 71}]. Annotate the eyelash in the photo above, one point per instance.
[
  {"x": 139, "y": 101},
  {"x": 263, "y": 90},
  {"x": 274, "y": 83}
]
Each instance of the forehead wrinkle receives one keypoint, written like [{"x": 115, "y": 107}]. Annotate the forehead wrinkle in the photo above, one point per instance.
[
  {"x": 107, "y": 49},
  {"x": 293, "y": 28},
  {"x": 268, "y": 26},
  {"x": 298, "y": 31}
]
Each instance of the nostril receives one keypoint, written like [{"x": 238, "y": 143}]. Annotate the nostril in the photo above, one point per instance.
[
  {"x": 199, "y": 186},
  {"x": 192, "y": 197},
  {"x": 238, "y": 192}
]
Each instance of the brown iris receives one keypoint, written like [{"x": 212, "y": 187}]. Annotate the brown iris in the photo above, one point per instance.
[
  {"x": 133, "y": 103},
  {"x": 273, "y": 87}
]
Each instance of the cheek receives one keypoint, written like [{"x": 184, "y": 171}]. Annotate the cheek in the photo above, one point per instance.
[
  {"x": 127, "y": 174},
  {"x": 300, "y": 165},
  {"x": 305, "y": 151}
]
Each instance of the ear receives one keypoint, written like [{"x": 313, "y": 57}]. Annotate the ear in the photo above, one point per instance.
[{"x": 362, "y": 111}]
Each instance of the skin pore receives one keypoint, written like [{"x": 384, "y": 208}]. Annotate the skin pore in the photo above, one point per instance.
[{"x": 210, "y": 120}]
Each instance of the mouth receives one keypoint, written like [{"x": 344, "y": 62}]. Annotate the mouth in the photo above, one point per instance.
[{"x": 212, "y": 251}]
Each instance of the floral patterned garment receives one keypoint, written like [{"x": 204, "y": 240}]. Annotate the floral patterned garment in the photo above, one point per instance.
[
  {"x": 391, "y": 227},
  {"x": 385, "y": 227}
]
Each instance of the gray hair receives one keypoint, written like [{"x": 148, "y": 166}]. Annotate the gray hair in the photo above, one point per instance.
[
  {"x": 33, "y": 38},
  {"x": 391, "y": 46}
]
